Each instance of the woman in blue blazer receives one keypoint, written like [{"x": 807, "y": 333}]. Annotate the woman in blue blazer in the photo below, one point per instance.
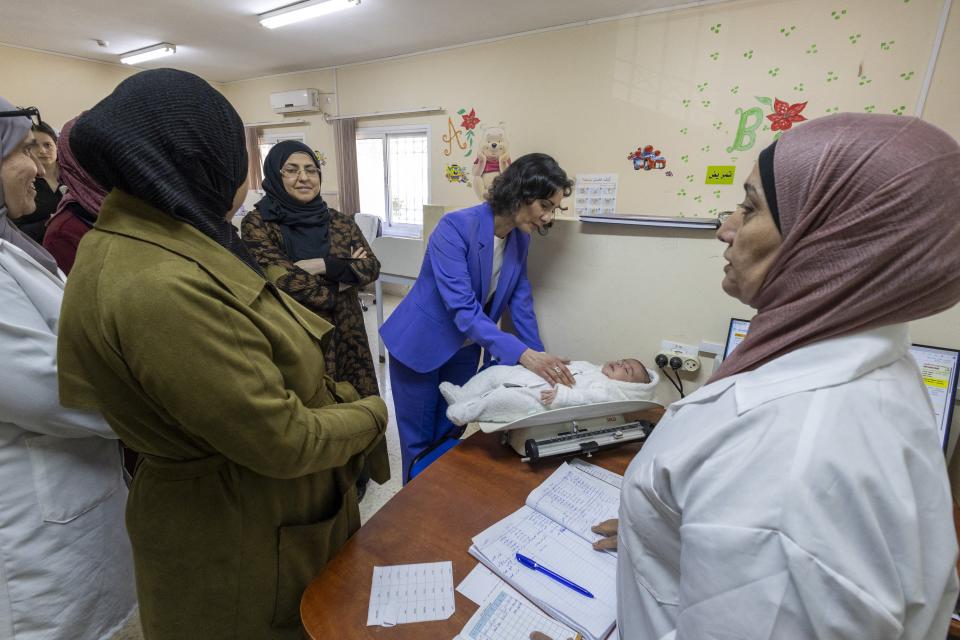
[{"x": 475, "y": 266}]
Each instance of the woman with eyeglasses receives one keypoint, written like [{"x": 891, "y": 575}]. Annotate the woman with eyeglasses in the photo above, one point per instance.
[
  {"x": 475, "y": 267},
  {"x": 48, "y": 186},
  {"x": 66, "y": 568},
  {"x": 320, "y": 258}
]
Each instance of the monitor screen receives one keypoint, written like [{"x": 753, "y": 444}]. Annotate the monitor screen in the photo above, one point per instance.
[
  {"x": 938, "y": 366},
  {"x": 735, "y": 335},
  {"x": 939, "y": 369}
]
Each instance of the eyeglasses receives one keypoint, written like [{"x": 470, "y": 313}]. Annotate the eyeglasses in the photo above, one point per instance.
[
  {"x": 554, "y": 209},
  {"x": 723, "y": 216},
  {"x": 29, "y": 112},
  {"x": 293, "y": 172}
]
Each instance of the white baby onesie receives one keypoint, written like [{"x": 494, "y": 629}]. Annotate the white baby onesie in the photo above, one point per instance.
[{"x": 504, "y": 394}]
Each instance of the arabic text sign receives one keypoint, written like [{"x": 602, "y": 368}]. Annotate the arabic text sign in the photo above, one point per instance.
[{"x": 720, "y": 174}]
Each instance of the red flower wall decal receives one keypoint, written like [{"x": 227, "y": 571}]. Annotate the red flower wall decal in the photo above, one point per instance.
[
  {"x": 470, "y": 120},
  {"x": 785, "y": 114}
]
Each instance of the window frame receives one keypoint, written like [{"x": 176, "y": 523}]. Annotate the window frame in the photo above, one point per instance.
[
  {"x": 274, "y": 138},
  {"x": 402, "y": 230}
]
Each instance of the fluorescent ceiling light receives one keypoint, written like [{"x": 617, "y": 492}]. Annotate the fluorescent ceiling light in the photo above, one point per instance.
[
  {"x": 150, "y": 53},
  {"x": 303, "y": 11}
]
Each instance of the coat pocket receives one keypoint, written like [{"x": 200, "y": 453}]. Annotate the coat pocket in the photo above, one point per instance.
[
  {"x": 73, "y": 475},
  {"x": 303, "y": 550}
]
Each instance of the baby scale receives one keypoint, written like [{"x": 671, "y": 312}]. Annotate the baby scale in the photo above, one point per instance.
[{"x": 573, "y": 430}]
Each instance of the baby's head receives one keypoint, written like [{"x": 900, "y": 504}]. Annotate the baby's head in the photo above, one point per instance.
[{"x": 626, "y": 370}]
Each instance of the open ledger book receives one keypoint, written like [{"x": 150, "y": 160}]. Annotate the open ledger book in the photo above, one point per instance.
[{"x": 553, "y": 529}]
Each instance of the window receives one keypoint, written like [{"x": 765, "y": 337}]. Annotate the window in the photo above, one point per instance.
[
  {"x": 267, "y": 142},
  {"x": 393, "y": 171}
]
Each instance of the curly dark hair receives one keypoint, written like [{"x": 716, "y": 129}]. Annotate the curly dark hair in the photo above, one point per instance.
[
  {"x": 534, "y": 176},
  {"x": 43, "y": 127}
]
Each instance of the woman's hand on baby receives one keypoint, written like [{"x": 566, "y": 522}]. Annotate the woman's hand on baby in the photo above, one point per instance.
[
  {"x": 314, "y": 266},
  {"x": 359, "y": 253},
  {"x": 548, "y": 396},
  {"x": 549, "y": 367},
  {"x": 607, "y": 529}
]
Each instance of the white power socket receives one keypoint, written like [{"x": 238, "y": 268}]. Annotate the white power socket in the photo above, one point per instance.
[{"x": 686, "y": 352}]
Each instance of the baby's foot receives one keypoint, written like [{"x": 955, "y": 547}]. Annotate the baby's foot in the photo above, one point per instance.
[
  {"x": 450, "y": 391},
  {"x": 462, "y": 413}
]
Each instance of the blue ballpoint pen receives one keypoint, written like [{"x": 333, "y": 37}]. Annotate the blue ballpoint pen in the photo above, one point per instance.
[{"x": 531, "y": 564}]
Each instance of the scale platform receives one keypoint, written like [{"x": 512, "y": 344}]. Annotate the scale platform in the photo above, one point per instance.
[{"x": 573, "y": 430}]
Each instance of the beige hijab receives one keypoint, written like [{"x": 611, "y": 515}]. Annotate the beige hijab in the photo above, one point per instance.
[
  {"x": 870, "y": 216},
  {"x": 12, "y": 132}
]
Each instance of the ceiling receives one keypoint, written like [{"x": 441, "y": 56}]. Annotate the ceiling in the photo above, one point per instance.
[{"x": 222, "y": 41}]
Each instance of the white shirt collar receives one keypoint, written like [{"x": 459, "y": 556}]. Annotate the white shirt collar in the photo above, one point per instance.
[{"x": 815, "y": 366}]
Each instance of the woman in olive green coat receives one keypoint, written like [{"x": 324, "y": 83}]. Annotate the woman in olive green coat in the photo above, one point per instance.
[{"x": 250, "y": 453}]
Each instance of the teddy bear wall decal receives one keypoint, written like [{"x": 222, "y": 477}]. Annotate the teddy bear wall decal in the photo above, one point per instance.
[
  {"x": 647, "y": 158},
  {"x": 492, "y": 159}
]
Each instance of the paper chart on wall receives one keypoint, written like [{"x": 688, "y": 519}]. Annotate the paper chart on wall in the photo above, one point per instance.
[
  {"x": 596, "y": 194},
  {"x": 411, "y": 593}
]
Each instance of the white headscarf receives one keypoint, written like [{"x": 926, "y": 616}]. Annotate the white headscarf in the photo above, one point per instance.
[{"x": 12, "y": 133}]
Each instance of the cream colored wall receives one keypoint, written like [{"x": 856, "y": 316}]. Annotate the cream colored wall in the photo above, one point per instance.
[
  {"x": 589, "y": 95},
  {"x": 943, "y": 101},
  {"x": 59, "y": 86},
  {"x": 252, "y": 100}
]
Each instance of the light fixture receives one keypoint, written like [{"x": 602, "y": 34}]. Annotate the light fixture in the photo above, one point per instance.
[
  {"x": 303, "y": 11},
  {"x": 149, "y": 53}
]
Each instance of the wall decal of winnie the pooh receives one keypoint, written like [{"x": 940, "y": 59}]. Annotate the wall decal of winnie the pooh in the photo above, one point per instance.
[{"x": 492, "y": 159}]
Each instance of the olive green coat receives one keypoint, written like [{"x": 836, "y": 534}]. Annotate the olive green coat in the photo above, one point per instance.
[{"x": 251, "y": 453}]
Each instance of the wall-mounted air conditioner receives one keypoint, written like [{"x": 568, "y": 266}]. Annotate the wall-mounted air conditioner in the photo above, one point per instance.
[{"x": 297, "y": 101}]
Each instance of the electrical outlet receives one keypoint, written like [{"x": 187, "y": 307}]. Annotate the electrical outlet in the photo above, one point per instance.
[{"x": 686, "y": 352}]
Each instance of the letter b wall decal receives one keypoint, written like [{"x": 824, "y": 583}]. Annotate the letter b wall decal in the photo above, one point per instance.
[{"x": 746, "y": 137}]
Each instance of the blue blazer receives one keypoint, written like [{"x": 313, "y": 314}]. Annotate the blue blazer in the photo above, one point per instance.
[{"x": 445, "y": 306}]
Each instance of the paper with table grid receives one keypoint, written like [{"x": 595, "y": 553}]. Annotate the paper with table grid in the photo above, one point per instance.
[
  {"x": 411, "y": 593},
  {"x": 504, "y": 616}
]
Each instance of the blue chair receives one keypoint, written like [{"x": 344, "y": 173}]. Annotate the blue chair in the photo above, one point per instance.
[{"x": 436, "y": 449}]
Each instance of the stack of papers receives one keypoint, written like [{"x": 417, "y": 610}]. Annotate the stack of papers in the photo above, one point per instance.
[{"x": 554, "y": 530}]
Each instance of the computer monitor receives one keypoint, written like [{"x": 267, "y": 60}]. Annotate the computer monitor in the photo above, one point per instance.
[
  {"x": 937, "y": 364},
  {"x": 939, "y": 369},
  {"x": 735, "y": 335}
]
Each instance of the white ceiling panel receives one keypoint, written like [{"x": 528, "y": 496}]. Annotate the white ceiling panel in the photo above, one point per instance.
[{"x": 222, "y": 40}]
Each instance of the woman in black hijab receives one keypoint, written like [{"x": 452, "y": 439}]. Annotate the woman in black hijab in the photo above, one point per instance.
[
  {"x": 317, "y": 255},
  {"x": 249, "y": 452}
]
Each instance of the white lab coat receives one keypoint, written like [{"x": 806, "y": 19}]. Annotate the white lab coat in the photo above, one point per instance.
[
  {"x": 66, "y": 569},
  {"x": 806, "y": 499}
]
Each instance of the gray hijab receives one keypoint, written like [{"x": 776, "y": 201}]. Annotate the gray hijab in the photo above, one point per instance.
[{"x": 12, "y": 132}]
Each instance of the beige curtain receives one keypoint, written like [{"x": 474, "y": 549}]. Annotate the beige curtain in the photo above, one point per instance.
[
  {"x": 345, "y": 137},
  {"x": 254, "y": 161}
]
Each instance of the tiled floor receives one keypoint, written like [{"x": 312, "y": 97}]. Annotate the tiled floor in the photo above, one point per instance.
[{"x": 378, "y": 495}]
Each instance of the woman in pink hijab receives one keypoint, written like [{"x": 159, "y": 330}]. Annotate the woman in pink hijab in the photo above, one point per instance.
[
  {"x": 78, "y": 208},
  {"x": 802, "y": 492}
]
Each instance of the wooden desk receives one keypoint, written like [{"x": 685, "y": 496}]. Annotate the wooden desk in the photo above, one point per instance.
[{"x": 432, "y": 519}]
